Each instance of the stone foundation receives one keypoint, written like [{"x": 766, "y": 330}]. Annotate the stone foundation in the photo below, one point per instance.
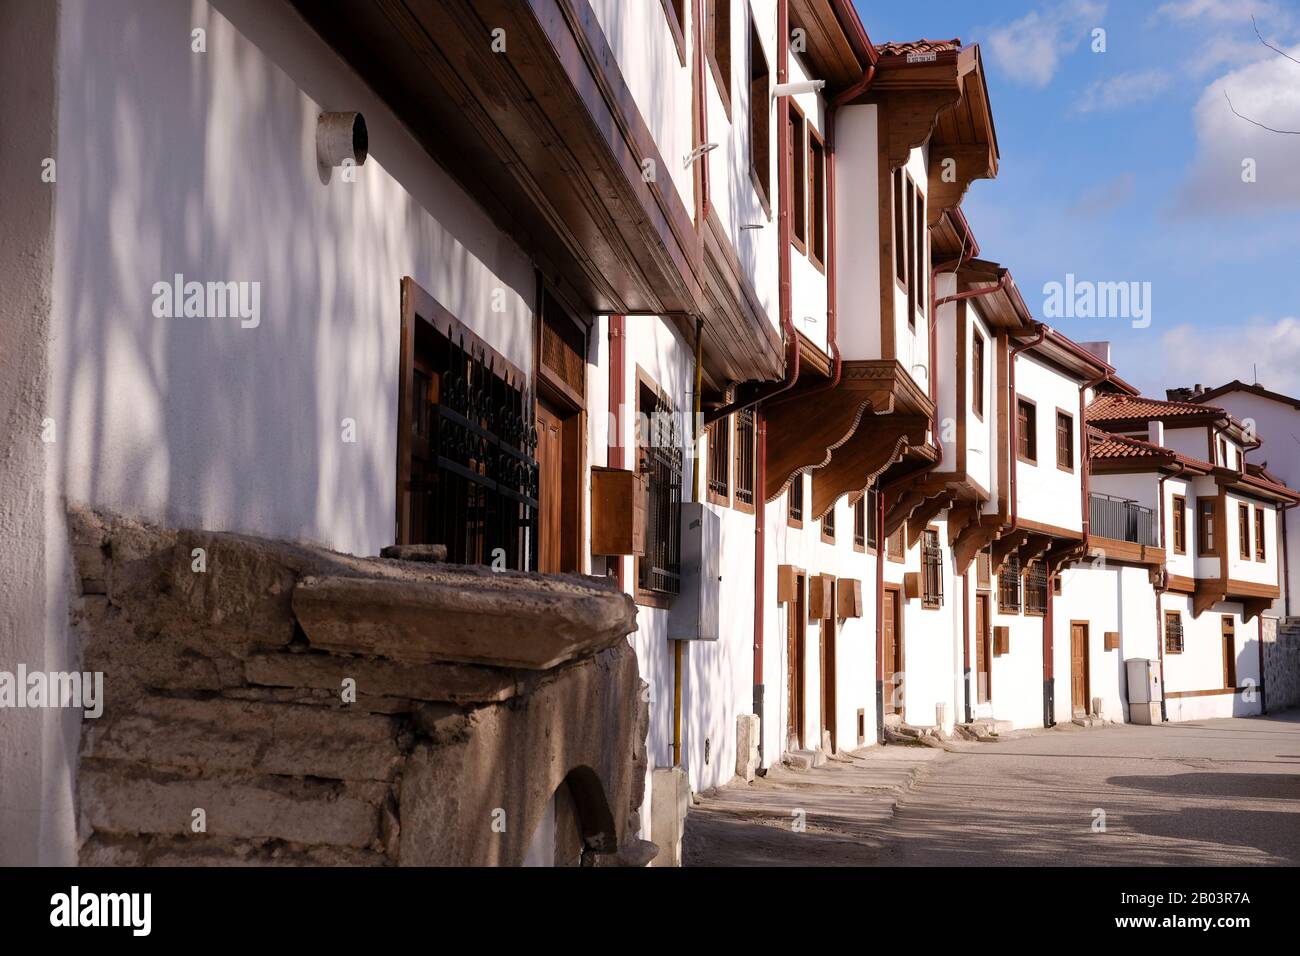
[
  {"x": 271, "y": 703},
  {"x": 1281, "y": 662}
]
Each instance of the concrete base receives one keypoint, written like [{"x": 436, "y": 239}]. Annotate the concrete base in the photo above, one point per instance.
[
  {"x": 1144, "y": 713},
  {"x": 748, "y": 730},
  {"x": 670, "y": 796}
]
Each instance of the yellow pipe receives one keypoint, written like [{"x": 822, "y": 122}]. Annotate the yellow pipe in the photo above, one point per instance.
[{"x": 696, "y": 410}]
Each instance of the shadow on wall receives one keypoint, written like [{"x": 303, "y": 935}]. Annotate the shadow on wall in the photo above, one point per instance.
[{"x": 203, "y": 164}]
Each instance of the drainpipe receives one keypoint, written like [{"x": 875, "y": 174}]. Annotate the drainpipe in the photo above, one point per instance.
[
  {"x": 881, "y": 550},
  {"x": 701, "y": 111},
  {"x": 614, "y": 451},
  {"x": 695, "y": 496},
  {"x": 965, "y": 644},
  {"x": 760, "y": 528}
]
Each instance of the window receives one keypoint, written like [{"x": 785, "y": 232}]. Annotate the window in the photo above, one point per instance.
[
  {"x": 794, "y": 502},
  {"x": 984, "y": 570},
  {"x": 919, "y": 236},
  {"x": 1036, "y": 588},
  {"x": 1180, "y": 524},
  {"x": 896, "y": 545},
  {"x": 1259, "y": 534},
  {"x": 1205, "y": 512},
  {"x": 1009, "y": 585},
  {"x": 977, "y": 375},
  {"x": 743, "y": 497},
  {"x": 798, "y": 177},
  {"x": 719, "y": 465},
  {"x": 816, "y": 199},
  {"x": 860, "y": 524},
  {"x": 675, "y": 11},
  {"x": 900, "y": 234},
  {"x": 760, "y": 145},
  {"x": 1173, "y": 632},
  {"x": 1223, "y": 453},
  {"x": 1064, "y": 441},
  {"x": 1243, "y": 530},
  {"x": 1026, "y": 431},
  {"x": 1229, "y": 651},
  {"x": 931, "y": 570},
  {"x": 659, "y": 449},
  {"x": 828, "y": 526},
  {"x": 718, "y": 48},
  {"x": 912, "y": 291}
]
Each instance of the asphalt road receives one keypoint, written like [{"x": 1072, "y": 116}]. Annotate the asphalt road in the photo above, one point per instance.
[{"x": 1219, "y": 792}]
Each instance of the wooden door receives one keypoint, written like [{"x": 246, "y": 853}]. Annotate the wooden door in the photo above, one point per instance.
[
  {"x": 550, "y": 491},
  {"x": 892, "y": 638},
  {"x": 983, "y": 651},
  {"x": 1229, "y": 651},
  {"x": 828, "y": 671},
  {"x": 1079, "y": 667},
  {"x": 796, "y": 642}
]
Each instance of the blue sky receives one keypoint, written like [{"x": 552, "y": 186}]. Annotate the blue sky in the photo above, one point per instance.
[{"x": 1126, "y": 166}]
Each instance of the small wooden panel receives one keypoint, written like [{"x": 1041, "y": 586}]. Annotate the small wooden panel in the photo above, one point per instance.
[
  {"x": 849, "y": 597},
  {"x": 821, "y": 593},
  {"x": 912, "y": 585},
  {"x": 618, "y": 507},
  {"x": 1112, "y": 640},
  {"x": 1001, "y": 641},
  {"x": 785, "y": 583}
]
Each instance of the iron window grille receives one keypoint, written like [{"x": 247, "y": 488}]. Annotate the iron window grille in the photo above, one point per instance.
[
  {"x": 860, "y": 523},
  {"x": 932, "y": 568},
  {"x": 828, "y": 525},
  {"x": 719, "y": 474},
  {"x": 873, "y": 530},
  {"x": 1173, "y": 632},
  {"x": 659, "y": 569},
  {"x": 1009, "y": 585},
  {"x": 1036, "y": 588},
  {"x": 795, "y": 499},
  {"x": 744, "y": 479}
]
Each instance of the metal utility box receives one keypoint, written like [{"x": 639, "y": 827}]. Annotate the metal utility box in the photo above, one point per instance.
[
  {"x": 695, "y": 614},
  {"x": 1144, "y": 691}
]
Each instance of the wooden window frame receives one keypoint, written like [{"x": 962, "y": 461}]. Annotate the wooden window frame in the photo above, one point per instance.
[
  {"x": 1243, "y": 530},
  {"x": 931, "y": 600},
  {"x": 722, "y": 426},
  {"x": 1261, "y": 550},
  {"x": 1206, "y": 508},
  {"x": 1176, "y": 617},
  {"x": 645, "y": 596},
  {"x": 977, "y": 344},
  {"x": 899, "y": 190},
  {"x": 1025, "y": 589},
  {"x": 828, "y": 536},
  {"x": 719, "y": 66},
  {"x": 921, "y": 232},
  {"x": 1179, "y": 524},
  {"x": 790, "y": 520},
  {"x": 1228, "y": 625},
  {"x": 901, "y": 534},
  {"x": 913, "y": 280},
  {"x": 798, "y": 177},
  {"x": 1028, "y": 435},
  {"x": 1018, "y": 578},
  {"x": 675, "y": 12},
  {"x": 738, "y": 464},
  {"x": 1061, "y": 413},
  {"x": 817, "y": 234},
  {"x": 760, "y": 114},
  {"x": 860, "y": 524}
]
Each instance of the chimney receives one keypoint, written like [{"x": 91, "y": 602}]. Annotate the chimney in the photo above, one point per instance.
[
  {"x": 1156, "y": 432},
  {"x": 1197, "y": 389}
]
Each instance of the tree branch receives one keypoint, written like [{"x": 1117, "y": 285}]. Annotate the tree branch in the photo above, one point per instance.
[
  {"x": 1269, "y": 45},
  {"x": 1289, "y": 132}
]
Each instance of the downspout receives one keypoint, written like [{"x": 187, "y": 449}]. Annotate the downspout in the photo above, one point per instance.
[
  {"x": 695, "y": 496},
  {"x": 882, "y": 550},
  {"x": 701, "y": 112},
  {"x": 1160, "y": 594},
  {"x": 614, "y": 451},
  {"x": 965, "y": 646},
  {"x": 760, "y": 527}
]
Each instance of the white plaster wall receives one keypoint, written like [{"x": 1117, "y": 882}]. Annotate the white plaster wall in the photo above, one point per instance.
[
  {"x": 1200, "y": 666},
  {"x": 857, "y": 194},
  {"x": 1139, "y": 487},
  {"x": 204, "y": 164},
  {"x": 1017, "y": 676},
  {"x": 1044, "y": 492},
  {"x": 1183, "y": 565},
  {"x": 1249, "y": 569},
  {"x": 1191, "y": 442},
  {"x": 807, "y": 282},
  {"x": 981, "y": 435},
  {"x": 660, "y": 83},
  {"x": 912, "y": 345},
  {"x": 731, "y": 189}
]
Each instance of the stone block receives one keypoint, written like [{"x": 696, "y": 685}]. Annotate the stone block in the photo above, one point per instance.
[
  {"x": 454, "y": 683},
  {"x": 670, "y": 797},
  {"x": 748, "y": 728}
]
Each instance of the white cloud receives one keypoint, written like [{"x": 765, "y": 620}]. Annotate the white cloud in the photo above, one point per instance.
[
  {"x": 1267, "y": 92},
  {"x": 1217, "y": 10},
  {"x": 1029, "y": 50},
  {"x": 1124, "y": 90},
  {"x": 1212, "y": 356}
]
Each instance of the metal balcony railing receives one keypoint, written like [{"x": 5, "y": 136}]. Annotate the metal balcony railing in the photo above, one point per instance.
[{"x": 1121, "y": 519}]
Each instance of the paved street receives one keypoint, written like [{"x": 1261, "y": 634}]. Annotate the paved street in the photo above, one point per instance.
[{"x": 1220, "y": 792}]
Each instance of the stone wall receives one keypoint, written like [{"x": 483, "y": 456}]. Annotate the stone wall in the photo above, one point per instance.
[
  {"x": 270, "y": 703},
  {"x": 1281, "y": 663}
]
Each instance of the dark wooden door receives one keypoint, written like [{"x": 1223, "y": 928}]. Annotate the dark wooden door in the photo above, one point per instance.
[
  {"x": 796, "y": 642},
  {"x": 1079, "y": 667},
  {"x": 892, "y": 638},
  {"x": 1229, "y": 652},
  {"x": 550, "y": 492},
  {"x": 828, "y": 672},
  {"x": 983, "y": 651}
]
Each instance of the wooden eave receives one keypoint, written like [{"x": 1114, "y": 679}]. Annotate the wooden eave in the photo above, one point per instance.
[
  {"x": 1246, "y": 484},
  {"x": 1001, "y": 309},
  {"x": 547, "y": 137},
  {"x": 834, "y": 50},
  {"x": 964, "y": 133},
  {"x": 913, "y": 95},
  {"x": 849, "y": 434}
]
